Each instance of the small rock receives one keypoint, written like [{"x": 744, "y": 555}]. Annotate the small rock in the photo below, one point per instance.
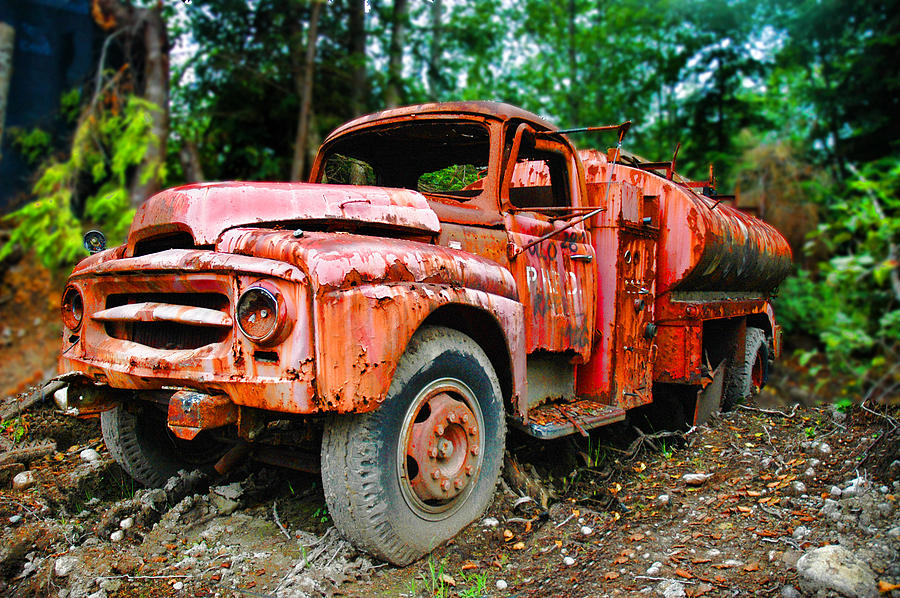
[
  {"x": 814, "y": 462},
  {"x": 670, "y": 589},
  {"x": 695, "y": 479},
  {"x": 733, "y": 563},
  {"x": 800, "y": 532},
  {"x": 790, "y": 592},
  {"x": 178, "y": 586},
  {"x": 23, "y": 480},
  {"x": 587, "y": 531},
  {"x": 15, "y": 519},
  {"x": 501, "y": 584},
  {"x": 663, "y": 499},
  {"x": 654, "y": 568},
  {"x": 89, "y": 455},
  {"x": 798, "y": 487},
  {"x": 809, "y": 474},
  {"x": 835, "y": 492},
  {"x": 568, "y": 561},
  {"x": 117, "y": 536},
  {"x": 823, "y": 449},
  {"x": 127, "y": 523},
  {"x": 64, "y": 565},
  {"x": 894, "y": 533},
  {"x": 490, "y": 522},
  {"x": 837, "y": 569}
]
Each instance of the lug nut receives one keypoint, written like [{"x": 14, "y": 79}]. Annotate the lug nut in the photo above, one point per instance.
[
  {"x": 472, "y": 430},
  {"x": 469, "y": 470},
  {"x": 439, "y": 429},
  {"x": 475, "y": 450},
  {"x": 457, "y": 484},
  {"x": 433, "y": 453},
  {"x": 465, "y": 418},
  {"x": 451, "y": 418},
  {"x": 445, "y": 484},
  {"x": 435, "y": 474}
]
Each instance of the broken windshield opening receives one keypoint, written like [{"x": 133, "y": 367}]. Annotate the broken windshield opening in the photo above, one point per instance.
[{"x": 448, "y": 159}]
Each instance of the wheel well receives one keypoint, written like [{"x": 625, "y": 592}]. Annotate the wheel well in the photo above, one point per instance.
[
  {"x": 484, "y": 329},
  {"x": 760, "y": 321}
]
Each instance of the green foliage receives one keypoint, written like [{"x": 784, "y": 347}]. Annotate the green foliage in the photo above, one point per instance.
[
  {"x": 107, "y": 145},
  {"x": 34, "y": 144}
]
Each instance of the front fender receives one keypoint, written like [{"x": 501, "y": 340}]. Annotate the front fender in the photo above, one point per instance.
[{"x": 361, "y": 333}]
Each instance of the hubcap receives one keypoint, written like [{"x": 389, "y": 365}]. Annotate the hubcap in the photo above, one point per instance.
[{"x": 440, "y": 450}]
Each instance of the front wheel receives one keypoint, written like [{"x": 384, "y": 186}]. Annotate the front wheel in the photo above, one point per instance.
[
  {"x": 402, "y": 480},
  {"x": 148, "y": 451}
]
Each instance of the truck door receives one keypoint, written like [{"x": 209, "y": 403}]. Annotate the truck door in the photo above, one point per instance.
[{"x": 555, "y": 276}]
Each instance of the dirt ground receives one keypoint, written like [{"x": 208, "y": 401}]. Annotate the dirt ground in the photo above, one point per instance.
[{"x": 608, "y": 515}]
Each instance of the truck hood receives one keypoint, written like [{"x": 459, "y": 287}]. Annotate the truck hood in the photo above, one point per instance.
[{"x": 207, "y": 210}]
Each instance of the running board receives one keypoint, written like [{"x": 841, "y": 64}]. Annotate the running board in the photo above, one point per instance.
[{"x": 554, "y": 420}]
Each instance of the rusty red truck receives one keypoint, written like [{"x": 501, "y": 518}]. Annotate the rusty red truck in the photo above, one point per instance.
[{"x": 448, "y": 270}]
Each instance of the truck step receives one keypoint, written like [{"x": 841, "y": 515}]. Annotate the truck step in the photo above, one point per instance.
[{"x": 553, "y": 420}]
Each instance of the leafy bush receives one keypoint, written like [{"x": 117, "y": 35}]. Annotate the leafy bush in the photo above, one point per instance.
[{"x": 110, "y": 140}]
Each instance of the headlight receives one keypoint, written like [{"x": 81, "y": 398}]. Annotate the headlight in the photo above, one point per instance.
[
  {"x": 260, "y": 314},
  {"x": 72, "y": 307}
]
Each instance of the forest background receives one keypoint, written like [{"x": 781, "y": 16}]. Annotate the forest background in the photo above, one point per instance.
[{"x": 795, "y": 103}]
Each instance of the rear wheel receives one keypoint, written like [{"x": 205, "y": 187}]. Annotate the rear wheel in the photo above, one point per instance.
[
  {"x": 146, "y": 449},
  {"x": 401, "y": 480},
  {"x": 749, "y": 377}
]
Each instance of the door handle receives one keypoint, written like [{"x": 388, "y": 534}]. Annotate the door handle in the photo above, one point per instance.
[{"x": 582, "y": 257}]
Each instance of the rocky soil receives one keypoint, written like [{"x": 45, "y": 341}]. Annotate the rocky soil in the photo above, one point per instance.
[{"x": 798, "y": 501}]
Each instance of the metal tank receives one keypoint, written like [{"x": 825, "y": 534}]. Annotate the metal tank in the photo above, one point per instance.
[{"x": 704, "y": 244}]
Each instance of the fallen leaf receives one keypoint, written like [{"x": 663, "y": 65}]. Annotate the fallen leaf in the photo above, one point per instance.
[
  {"x": 885, "y": 587},
  {"x": 752, "y": 567},
  {"x": 700, "y": 561},
  {"x": 683, "y": 573},
  {"x": 507, "y": 535},
  {"x": 637, "y": 537},
  {"x": 744, "y": 509},
  {"x": 468, "y": 565},
  {"x": 610, "y": 575},
  {"x": 448, "y": 580},
  {"x": 753, "y": 493},
  {"x": 620, "y": 560},
  {"x": 518, "y": 546}
]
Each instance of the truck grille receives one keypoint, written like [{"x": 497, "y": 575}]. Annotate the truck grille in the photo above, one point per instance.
[{"x": 165, "y": 320}]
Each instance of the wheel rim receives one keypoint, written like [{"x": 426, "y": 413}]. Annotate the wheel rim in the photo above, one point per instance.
[{"x": 440, "y": 449}]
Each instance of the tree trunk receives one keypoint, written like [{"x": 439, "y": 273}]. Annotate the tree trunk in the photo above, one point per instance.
[
  {"x": 395, "y": 55},
  {"x": 573, "y": 67},
  {"x": 434, "y": 62},
  {"x": 7, "y": 44},
  {"x": 298, "y": 165},
  {"x": 357, "y": 48},
  {"x": 190, "y": 163},
  {"x": 145, "y": 25}
]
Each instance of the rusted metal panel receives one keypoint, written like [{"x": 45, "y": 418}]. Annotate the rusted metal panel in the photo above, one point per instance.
[
  {"x": 679, "y": 354},
  {"x": 191, "y": 412}
]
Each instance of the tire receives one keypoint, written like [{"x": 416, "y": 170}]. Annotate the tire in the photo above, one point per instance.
[
  {"x": 748, "y": 378},
  {"x": 145, "y": 448},
  {"x": 374, "y": 464}
]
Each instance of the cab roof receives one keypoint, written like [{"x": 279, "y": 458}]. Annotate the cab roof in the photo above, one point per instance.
[{"x": 497, "y": 110}]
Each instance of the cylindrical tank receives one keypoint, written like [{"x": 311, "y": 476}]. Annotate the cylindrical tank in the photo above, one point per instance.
[{"x": 703, "y": 245}]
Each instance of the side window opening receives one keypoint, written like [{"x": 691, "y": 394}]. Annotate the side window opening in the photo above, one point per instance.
[{"x": 540, "y": 179}]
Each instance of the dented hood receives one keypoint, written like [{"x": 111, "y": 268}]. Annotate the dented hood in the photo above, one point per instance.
[{"x": 207, "y": 210}]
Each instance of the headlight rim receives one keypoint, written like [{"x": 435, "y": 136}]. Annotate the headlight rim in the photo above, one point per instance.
[
  {"x": 72, "y": 316},
  {"x": 276, "y": 332}
]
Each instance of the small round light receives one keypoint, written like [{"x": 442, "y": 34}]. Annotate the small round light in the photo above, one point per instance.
[
  {"x": 258, "y": 314},
  {"x": 72, "y": 307}
]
